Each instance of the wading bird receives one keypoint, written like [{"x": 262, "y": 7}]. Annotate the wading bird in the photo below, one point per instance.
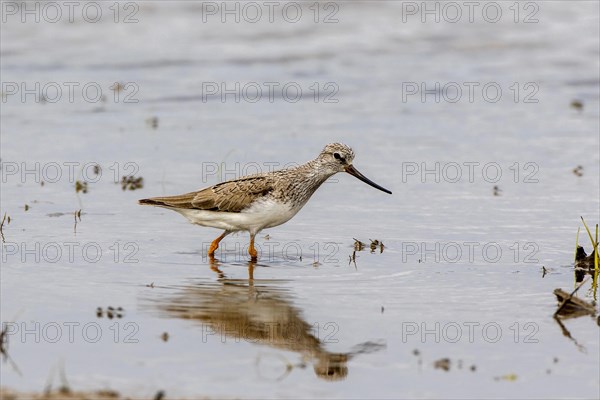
[{"x": 256, "y": 202}]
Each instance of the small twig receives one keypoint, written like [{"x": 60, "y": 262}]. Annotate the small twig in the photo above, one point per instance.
[
  {"x": 4, "y": 342},
  {"x": 2, "y": 226},
  {"x": 596, "y": 251},
  {"x": 4, "y": 351},
  {"x": 76, "y": 214},
  {"x": 596, "y": 268},
  {"x": 577, "y": 242},
  {"x": 353, "y": 259},
  {"x": 4, "y": 346}
]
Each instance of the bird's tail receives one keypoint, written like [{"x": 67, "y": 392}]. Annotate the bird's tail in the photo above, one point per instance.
[
  {"x": 181, "y": 201},
  {"x": 151, "y": 202}
]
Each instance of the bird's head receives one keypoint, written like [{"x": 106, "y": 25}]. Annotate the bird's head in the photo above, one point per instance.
[{"x": 337, "y": 157}]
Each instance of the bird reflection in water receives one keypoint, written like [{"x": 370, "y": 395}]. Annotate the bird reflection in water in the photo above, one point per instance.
[{"x": 259, "y": 312}]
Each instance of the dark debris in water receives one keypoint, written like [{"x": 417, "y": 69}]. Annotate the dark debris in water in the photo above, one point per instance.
[
  {"x": 570, "y": 306},
  {"x": 62, "y": 214},
  {"x": 358, "y": 245},
  {"x": 132, "y": 183},
  {"x": 507, "y": 377},
  {"x": 584, "y": 263},
  {"x": 442, "y": 363},
  {"x": 578, "y": 171},
  {"x": 117, "y": 87},
  {"x": 446, "y": 364},
  {"x": 152, "y": 122},
  {"x": 81, "y": 187},
  {"x": 577, "y": 105},
  {"x": 111, "y": 312},
  {"x": 375, "y": 244},
  {"x": 367, "y": 348}
]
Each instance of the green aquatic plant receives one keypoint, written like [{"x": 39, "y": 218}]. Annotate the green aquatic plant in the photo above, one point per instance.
[
  {"x": 594, "y": 252},
  {"x": 575, "y": 256}
]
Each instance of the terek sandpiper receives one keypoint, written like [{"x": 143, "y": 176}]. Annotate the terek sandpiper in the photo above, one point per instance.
[{"x": 260, "y": 201}]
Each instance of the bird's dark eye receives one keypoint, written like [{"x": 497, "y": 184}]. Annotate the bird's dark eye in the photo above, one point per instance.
[{"x": 337, "y": 156}]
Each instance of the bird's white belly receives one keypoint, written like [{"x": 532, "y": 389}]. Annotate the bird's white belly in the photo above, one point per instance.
[{"x": 262, "y": 214}]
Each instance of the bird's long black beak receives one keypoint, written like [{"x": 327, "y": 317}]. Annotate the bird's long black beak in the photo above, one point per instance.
[{"x": 352, "y": 171}]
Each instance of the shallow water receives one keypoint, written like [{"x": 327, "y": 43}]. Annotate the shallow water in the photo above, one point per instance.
[{"x": 460, "y": 276}]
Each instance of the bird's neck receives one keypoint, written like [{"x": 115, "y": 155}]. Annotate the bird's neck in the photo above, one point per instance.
[
  {"x": 305, "y": 179},
  {"x": 316, "y": 172}
]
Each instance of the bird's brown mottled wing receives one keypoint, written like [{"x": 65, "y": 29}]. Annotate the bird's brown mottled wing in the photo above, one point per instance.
[{"x": 231, "y": 196}]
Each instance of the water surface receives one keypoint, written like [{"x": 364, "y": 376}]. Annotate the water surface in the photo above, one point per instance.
[{"x": 309, "y": 323}]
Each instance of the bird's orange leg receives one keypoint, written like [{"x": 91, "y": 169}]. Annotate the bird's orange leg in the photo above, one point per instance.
[
  {"x": 251, "y": 265},
  {"x": 251, "y": 249},
  {"x": 215, "y": 244}
]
